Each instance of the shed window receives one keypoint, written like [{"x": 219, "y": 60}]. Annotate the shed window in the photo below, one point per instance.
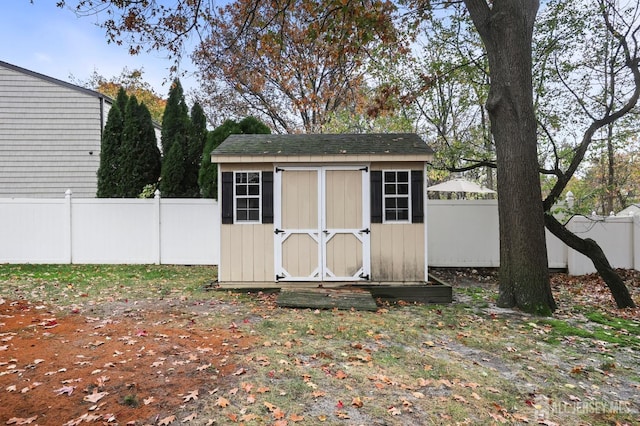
[
  {"x": 396, "y": 195},
  {"x": 247, "y": 196}
]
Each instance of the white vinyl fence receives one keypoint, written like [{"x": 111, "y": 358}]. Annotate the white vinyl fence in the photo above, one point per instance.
[
  {"x": 465, "y": 233},
  {"x": 461, "y": 233},
  {"x": 95, "y": 230}
]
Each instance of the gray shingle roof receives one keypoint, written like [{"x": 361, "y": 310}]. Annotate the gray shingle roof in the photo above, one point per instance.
[{"x": 324, "y": 144}]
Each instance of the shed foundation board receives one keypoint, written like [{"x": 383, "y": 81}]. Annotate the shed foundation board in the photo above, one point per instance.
[
  {"x": 435, "y": 291},
  {"x": 230, "y": 285},
  {"x": 324, "y": 298}
]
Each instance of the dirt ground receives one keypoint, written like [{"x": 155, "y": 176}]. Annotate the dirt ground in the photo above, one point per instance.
[{"x": 127, "y": 368}]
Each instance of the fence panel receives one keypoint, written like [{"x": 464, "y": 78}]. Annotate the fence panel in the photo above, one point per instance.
[
  {"x": 189, "y": 231},
  {"x": 114, "y": 231},
  {"x": 615, "y": 235},
  {"x": 34, "y": 231},
  {"x": 463, "y": 233}
]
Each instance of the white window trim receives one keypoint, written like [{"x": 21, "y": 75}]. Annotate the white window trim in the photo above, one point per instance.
[
  {"x": 235, "y": 197},
  {"x": 384, "y": 197}
]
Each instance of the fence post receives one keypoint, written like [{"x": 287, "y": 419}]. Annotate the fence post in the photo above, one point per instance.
[
  {"x": 69, "y": 225},
  {"x": 157, "y": 239},
  {"x": 635, "y": 232}
]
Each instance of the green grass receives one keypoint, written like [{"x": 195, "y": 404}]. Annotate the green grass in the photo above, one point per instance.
[
  {"x": 69, "y": 284},
  {"x": 600, "y": 327}
]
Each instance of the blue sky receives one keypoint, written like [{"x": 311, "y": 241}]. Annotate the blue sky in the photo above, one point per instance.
[{"x": 53, "y": 41}]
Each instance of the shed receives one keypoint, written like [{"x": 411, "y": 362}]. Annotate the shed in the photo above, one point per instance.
[{"x": 323, "y": 210}]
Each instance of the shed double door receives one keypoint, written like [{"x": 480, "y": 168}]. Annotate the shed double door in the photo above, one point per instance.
[{"x": 322, "y": 223}]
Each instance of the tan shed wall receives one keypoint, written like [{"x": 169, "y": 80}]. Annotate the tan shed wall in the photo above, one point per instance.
[
  {"x": 397, "y": 252},
  {"x": 246, "y": 253}
]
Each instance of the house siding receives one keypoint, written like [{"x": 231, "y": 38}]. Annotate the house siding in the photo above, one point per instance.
[{"x": 49, "y": 136}]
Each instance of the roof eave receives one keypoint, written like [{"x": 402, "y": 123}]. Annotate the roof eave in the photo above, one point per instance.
[{"x": 322, "y": 158}]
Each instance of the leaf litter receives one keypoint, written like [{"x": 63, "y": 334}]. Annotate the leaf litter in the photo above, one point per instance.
[{"x": 217, "y": 358}]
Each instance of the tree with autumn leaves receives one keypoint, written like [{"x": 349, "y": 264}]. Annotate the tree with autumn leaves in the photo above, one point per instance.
[{"x": 133, "y": 83}]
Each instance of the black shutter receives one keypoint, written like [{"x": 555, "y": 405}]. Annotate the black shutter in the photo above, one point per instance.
[
  {"x": 267, "y": 197},
  {"x": 417, "y": 197},
  {"x": 376, "y": 196},
  {"x": 227, "y": 197}
]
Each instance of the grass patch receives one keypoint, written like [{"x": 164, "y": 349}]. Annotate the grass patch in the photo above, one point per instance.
[
  {"x": 600, "y": 327},
  {"x": 69, "y": 284}
]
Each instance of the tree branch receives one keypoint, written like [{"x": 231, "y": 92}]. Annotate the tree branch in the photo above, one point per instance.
[{"x": 633, "y": 63}]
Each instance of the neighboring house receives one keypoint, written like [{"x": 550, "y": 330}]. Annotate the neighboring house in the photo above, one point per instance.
[
  {"x": 322, "y": 209},
  {"x": 50, "y": 133}
]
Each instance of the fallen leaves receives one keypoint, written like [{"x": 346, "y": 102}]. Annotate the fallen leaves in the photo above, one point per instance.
[
  {"x": 191, "y": 396},
  {"x": 95, "y": 396},
  {"x": 68, "y": 390},
  {"x": 357, "y": 402},
  {"x": 21, "y": 421},
  {"x": 191, "y": 417},
  {"x": 222, "y": 402},
  {"x": 167, "y": 420}
]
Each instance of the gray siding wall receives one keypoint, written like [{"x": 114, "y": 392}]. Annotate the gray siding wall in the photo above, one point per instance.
[{"x": 49, "y": 138}]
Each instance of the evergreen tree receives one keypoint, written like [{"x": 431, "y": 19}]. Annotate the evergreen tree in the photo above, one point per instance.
[
  {"x": 149, "y": 158},
  {"x": 176, "y": 129},
  {"x": 140, "y": 156},
  {"x": 172, "y": 172},
  {"x": 197, "y": 140},
  {"x": 175, "y": 121},
  {"x": 109, "y": 170},
  {"x": 208, "y": 177},
  {"x": 251, "y": 125}
]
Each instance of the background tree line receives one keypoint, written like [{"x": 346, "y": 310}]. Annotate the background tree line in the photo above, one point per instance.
[{"x": 131, "y": 163}]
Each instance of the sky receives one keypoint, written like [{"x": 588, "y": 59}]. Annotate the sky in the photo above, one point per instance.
[{"x": 43, "y": 38}]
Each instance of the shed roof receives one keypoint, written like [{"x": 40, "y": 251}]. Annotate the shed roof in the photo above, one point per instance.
[{"x": 378, "y": 146}]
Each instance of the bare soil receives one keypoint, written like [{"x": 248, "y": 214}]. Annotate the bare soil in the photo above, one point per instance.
[{"x": 145, "y": 361}]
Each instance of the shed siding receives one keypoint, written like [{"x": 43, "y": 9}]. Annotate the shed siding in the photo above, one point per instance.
[
  {"x": 397, "y": 252},
  {"x": 246, "y": 253},
  {"x": 47, "y": 132}
]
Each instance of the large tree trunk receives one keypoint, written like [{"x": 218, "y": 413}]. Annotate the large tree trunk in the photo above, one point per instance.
[
  {"x": 506, "y": 28},
  {"x": 592, "y": 250}
]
